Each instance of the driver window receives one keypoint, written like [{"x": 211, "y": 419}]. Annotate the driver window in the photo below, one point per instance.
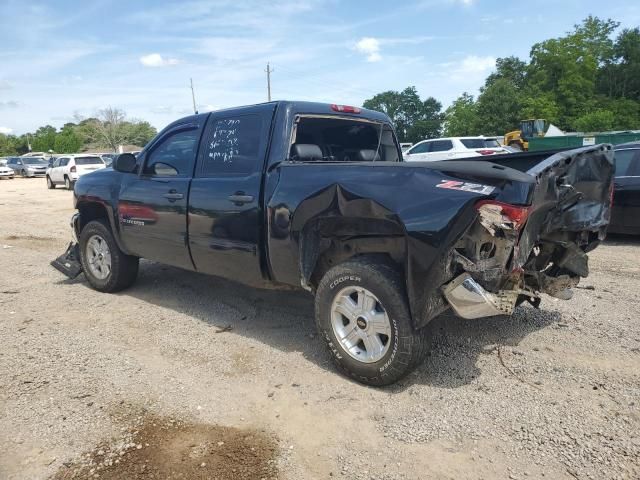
[{"x": 174, "y": 155}]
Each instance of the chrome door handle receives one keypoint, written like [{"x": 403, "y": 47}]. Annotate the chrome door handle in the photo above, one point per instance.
[
  {"x": 240, "y": 198},
  {"x": 173, "y": 195}
]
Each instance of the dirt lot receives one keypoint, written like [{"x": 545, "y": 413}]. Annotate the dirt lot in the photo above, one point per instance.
[{"x": 188, "y": 376}]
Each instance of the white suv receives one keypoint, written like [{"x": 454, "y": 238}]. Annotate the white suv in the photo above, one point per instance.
[
  {"x": 68, "y": 168},
  {"x": 452, "y": 148}
]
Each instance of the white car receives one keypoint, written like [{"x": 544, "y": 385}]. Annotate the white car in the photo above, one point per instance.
[
  {"x": 6, "y": 172},
  {"x": 68, "y": 168},
  {"x": 452, "y": 148}
]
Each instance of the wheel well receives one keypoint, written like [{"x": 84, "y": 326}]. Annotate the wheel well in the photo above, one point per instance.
[
  {"x": 91, "y": 211},
  {"x": 319, "y": 254}
]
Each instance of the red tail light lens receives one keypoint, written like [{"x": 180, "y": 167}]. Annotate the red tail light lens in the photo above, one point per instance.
[
  {"x": 515, "y": 214},
  {"x": 72, "y": 169},
  {"x": 345, "y": 108},
  {"x": 485, "y": 152}
]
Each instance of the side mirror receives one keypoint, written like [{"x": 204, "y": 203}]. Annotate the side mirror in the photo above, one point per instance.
[{"x": 125, "y": 163}]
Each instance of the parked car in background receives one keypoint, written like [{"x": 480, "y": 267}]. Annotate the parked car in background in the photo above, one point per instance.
[
  {"x": 28, "y": 166},
  {"x": 625, "y": 214},
  {"x": 452, "y": 148},
  {"x": 68, "y": 168},
  {"x": 6, "y": 172},
  {"x": 108, "y": 158}
]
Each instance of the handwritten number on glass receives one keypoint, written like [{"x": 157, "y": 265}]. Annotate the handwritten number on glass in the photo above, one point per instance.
[{"x": 224, "y": 144}]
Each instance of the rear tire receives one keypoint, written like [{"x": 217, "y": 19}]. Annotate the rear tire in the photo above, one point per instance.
[
  {"x": 68, "y": 184},
  {"x": 50, "y": 184},
  {"x": 348, "y": 337},
  {"x": 122, "y": 269}
]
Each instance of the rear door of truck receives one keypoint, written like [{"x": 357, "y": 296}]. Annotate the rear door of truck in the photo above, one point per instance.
[{"x": 225, "y": 208}]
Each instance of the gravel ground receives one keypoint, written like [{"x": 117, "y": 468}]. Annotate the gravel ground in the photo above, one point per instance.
[{"x": 551, "y": 393}]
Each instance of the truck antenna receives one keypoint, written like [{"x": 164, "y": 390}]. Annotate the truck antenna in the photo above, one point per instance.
[
  {"x": 193, "y": 97},
  {"x": 269, "y": 72}
]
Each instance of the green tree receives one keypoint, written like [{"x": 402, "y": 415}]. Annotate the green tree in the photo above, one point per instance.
[
  {"x": 596, "y": 121},
  {"x": 139, "y": 132},
  {"x": 461, "y": 118},
  {"x": 67, "y": 141},
  {"x": 568, "y": 66},
  {"x": 413, "y": 118},
  {"x": 44, "y": 139},
  {"x": 499, "y": 107},
  {"x": 510, "y": 68},
  {"x": 540, "y": 105}
]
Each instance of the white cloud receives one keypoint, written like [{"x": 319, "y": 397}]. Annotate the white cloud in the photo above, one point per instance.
[
  {"x": 6, "y": 130},
  {"x": 156, "y": 60},
  {"x": 9, "y": 104},
  {"x": 5, "y": 85},
  {"x": 476, "y": 64},
  {"x": 370, "y": 47}
]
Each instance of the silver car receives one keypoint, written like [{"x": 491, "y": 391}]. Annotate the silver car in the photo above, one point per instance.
[{"x": 28, "y": 166}]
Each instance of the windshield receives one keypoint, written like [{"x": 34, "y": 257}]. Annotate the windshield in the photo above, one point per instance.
[
  {"x": 34, "y": 161},
  {"x": 89, "y": 161},
  {"x": 480, "y": 143}
]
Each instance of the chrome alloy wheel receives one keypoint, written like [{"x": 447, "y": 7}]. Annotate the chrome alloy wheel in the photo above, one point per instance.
[
  {"x": 361, "y": 324},
  {"x": 98, "y": 257}
]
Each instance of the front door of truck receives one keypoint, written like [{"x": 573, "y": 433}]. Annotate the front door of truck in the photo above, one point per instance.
[
  {"x": 225, "y": 209},
  {"x": 152, "y": 207}
]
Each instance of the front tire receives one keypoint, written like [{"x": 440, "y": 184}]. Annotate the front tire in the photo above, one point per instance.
[
  {"x": 23, "y": 173},
  {"x": 362, "y": 314},
  {"x": 50, "y": 184},
  {"x": 106, "y": 267}
]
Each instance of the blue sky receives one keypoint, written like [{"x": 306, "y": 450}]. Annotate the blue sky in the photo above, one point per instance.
[{"x": 64, "y": 58}]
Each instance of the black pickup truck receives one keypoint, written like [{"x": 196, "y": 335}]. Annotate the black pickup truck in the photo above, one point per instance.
[{"x": 317, "y": 196}]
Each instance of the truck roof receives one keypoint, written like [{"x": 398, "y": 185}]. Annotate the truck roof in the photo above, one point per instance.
[{"x": 318, "y": 108}]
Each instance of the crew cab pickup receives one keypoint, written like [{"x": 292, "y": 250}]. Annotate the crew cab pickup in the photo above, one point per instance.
[{"x": 317, "y": 196}]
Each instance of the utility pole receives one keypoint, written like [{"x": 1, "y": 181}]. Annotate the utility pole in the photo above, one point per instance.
[
  {"x": 193, "y": 97},
  {"x": 269, "y": 72}
]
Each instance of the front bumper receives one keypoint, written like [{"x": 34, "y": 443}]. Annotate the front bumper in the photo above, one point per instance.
[
  {"x": 8, "y": 174},
  {"x": 75, "y": 226}
]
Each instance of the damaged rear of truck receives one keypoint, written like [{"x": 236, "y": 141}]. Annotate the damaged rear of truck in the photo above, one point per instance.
[
  {"x": 515, "y": 251},
  {"x": 476, "y": 237}
]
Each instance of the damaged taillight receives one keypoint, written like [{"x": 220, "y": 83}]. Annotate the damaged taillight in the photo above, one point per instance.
[
  {"x": 501, "y": 214},
  {"x": 73, "y": 168}
]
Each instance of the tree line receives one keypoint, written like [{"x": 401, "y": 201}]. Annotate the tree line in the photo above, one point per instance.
[
  {"x": 105, "y": 131},
  {"x": 587, "y": 80}
]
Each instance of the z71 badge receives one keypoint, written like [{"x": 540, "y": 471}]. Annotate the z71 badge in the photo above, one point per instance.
[{"x": 466, "y": 187}]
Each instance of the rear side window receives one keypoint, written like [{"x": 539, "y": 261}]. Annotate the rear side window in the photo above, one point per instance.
[
  {"x": 233, "y": 146},
  {"x": 343, "y": 140},
  {"x": 441, "y": 145},
  {"x": 480, "y": 143},
  {"x": 88, "y": 161},
  {"x": 627, "y": 162}
]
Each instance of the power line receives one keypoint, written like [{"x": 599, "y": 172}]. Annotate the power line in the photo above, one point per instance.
[{"x": 269, "y": 72}]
